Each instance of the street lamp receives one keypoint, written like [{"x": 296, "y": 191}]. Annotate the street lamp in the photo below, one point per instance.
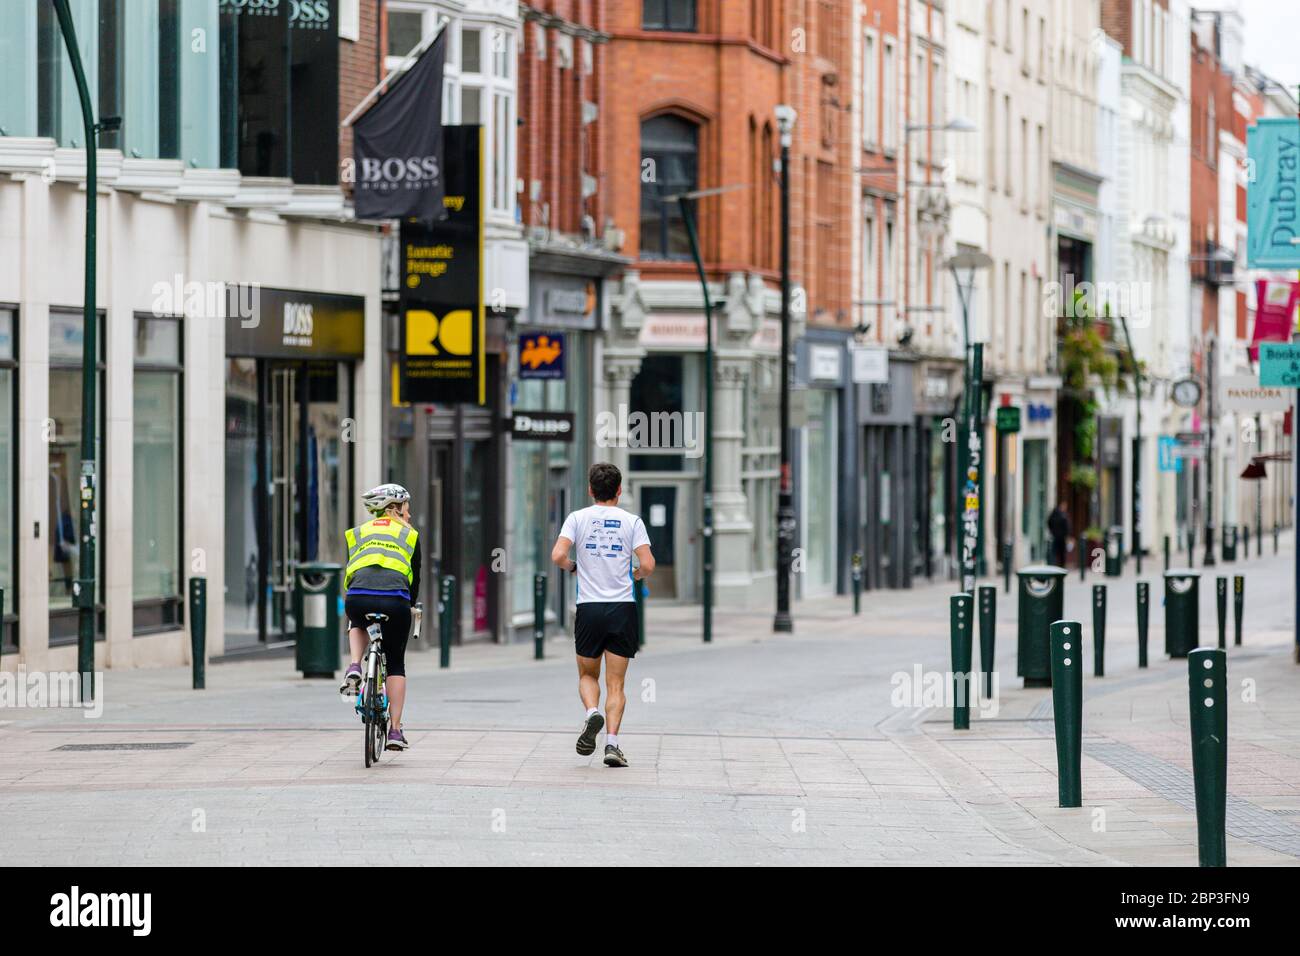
[
  {"x": 683, "y": 201},
  {"x": 970, "y": 455},
  {"x": 785, "y": 120}
]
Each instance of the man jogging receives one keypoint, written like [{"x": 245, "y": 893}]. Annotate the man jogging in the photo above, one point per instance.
[{"x": 606, "y": 537}]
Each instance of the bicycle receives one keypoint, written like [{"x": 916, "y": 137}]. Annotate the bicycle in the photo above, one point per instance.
[{"x": 372, "y": 702}]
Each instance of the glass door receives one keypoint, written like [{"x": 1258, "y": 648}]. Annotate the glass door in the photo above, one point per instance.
[{"x": 658, "y": 508}]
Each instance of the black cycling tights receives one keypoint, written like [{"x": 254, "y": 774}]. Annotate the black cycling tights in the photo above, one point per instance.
[{"x": 396, "y": 629}]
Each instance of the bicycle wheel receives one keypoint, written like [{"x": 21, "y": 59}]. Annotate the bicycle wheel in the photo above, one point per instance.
[{"x": 370, "y": 717}]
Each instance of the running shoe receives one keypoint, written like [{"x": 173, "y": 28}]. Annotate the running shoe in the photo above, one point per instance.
[
  {"x": 587, "y": 739},
  {"x": 614, "y": 757}
]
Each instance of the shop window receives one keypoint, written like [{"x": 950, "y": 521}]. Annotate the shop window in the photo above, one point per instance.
[
  {"x": 8, "y": 477},
  {"x": 669, "y": 165},
  {"x": 157, "y": 580},
  {"x": 677, "y": 15},
  {"x": 62, "y": 525}
]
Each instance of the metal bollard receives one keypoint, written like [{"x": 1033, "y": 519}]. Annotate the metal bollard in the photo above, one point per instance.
[
  {"x": 1245, "y": 534},
  {"x": 988, "y": 622},
  {"x": 1143, "y": 609},
  {"x": 1007, "y": 552},
  {"x": 1208, "y": 709},
  {"x": 1221, "y": 598},
  {"x": 1083, "y": 560},
  {"x": 960, "y": 628},
  {"x": 1275, "y": 537},
  {"x": 539, "y": 616},
  {"x": 857, "y": 582},
  {"x": 639, "y": 591},
  {"x": 2, "y": 622},
  {"x": 1191, "y": 548},
  {"x": 1067, "y": 709},
  {"x": 198, "y": 631},
  {"x": 446, "y": 610},
  {"x": 1166, "y": 552},
  {"x": 1099, "y": 630},
  {"x": 1238, "y": 605}
]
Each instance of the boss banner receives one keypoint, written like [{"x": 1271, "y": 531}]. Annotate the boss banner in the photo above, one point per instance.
[{"x": 443, "y": 323}]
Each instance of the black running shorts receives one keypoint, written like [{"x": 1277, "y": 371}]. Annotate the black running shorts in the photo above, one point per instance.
[{"x": 606, "y": 626}]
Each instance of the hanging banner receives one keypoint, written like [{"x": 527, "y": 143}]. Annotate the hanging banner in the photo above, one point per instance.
[
  {"x": 1275, "y": 302},
  {"x": 1272, "y": 200},
  {"x": 399, "y": 148},
  {"x": 444, "y": 328}
]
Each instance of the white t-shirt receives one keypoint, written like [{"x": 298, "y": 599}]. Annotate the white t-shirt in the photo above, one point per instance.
[{"x": 604, "y": 539}]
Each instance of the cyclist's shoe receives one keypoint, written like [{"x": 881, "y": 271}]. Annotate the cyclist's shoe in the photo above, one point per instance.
[
  {"x": 351, "y": 681},
  {"x": 587, "y": 739},
  {"x": 614, "y": 757},
  {"x": 396, "y": 741}
]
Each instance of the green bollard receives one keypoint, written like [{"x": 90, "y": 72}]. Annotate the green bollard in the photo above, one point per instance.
[
  {"x": 198, "y": 630},
  {"x": 1067, "y": 709},
  {"x": 1238, "y": 605},
  {"x": 1099, "y": 630},
  {"x": 1221, "y": 598},
  {"x": 1274, "y": 537},
  {"x": 1207, "y": 680},
  {"x": 1166, "y": 552},
  {"x": 446, "y": 610},
  {"x": 1143, "y": 609},
  {"x": 639, "y": 591},
  {"x": 857, "y": 582},
  {"x": 960, "y": 626},
  {"x": 988, "y": 621},
  {"x": 1083, "y": 560},
  {"x": 539, "y": 616},
  {"x": 1007, "y": 552}
]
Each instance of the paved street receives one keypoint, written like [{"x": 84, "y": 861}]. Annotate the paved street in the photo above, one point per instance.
[{"x": 758, "y": 749}]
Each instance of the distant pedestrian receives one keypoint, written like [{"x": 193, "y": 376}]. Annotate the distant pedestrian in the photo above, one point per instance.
[{"x": 1058, "y": 526}]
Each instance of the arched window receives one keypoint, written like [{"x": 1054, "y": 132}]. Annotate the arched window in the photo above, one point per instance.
[{"x": 669, "y": 165}]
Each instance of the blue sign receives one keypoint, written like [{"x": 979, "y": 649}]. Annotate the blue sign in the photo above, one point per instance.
[
  {"x": 1273, "y": 194},
  {"x": 1165, "y": 459},
  {"x": 1279, "y": 364},
  {"x": 1039, "y": 413},
  {"x": 541, "y": 355}
]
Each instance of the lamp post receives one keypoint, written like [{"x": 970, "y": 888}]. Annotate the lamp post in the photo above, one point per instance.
[
  {"x": 971, "y": 262},
  {"x": 83, "y": 589},
  {"x": 1137, "y": 446},
  {"x": 683, "y": 201},
  {"x": 785, "y": 119},
  {"x": 1208, "y": 560}
]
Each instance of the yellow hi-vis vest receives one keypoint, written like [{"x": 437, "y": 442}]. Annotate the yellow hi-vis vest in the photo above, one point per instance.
[{"x": 380, "y": 542}]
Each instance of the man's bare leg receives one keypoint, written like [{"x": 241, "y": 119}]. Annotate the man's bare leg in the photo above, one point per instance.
[
  {"x": 589, "y": 681},
  {"x": 589, "y": 691},
  {"x": 615, "y": 699}
]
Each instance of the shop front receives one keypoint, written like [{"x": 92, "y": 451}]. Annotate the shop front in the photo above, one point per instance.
[
  {"x": 821, "y": 470},
  {"x": 289, "y": 437},
  {"x": 938, "y": 388},
  {"x": 551, "y": 359},
  {"x": 889, "y": 480}
]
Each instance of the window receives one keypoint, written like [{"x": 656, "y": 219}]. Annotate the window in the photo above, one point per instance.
[
  {"x": 870, "y": 90},
  {"x": 676, "y": 15},
  {"x": 471, "y": 51},
  {"x": 868, "y": 292},
  {"x": 405, "y": 31},
  {"x": 669, "y": 165},
  {"x": 1006, "y": 143},
  {"x": 889, "y": 83},
  {"x": 502, "y": 152},
  {"x": 156, "y": 517},
  {"x": 8, "y": 472},
  {"x": 66, "y": 330}
]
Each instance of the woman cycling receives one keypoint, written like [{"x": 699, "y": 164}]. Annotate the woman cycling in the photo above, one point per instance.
[{"x": 383, "y": 577}]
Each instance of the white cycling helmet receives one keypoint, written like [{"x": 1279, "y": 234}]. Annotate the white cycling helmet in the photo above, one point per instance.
[{"x": 378, "y": 499}]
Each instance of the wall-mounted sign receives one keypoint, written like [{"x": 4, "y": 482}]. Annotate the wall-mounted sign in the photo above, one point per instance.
[
  {"x": 1273, "y": 162},
  {"x": 1187, "y": 392},
  {"x": 1038, "y": 412},
  {"x": 442, "y": 286},
  {"x": 1279, "y": 364},
  {"x": 1008, "y": 418},
  {"x": 541, "y": 355},
  {"x": 288, "y": 323},
  {"x": 824, "y": 363},
  {"x": 1166, "y": 455},
  {"x": 542, "y": 426},
  {"x": 870, "y": 365},
  {"x": 1242, "y": 393}
]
